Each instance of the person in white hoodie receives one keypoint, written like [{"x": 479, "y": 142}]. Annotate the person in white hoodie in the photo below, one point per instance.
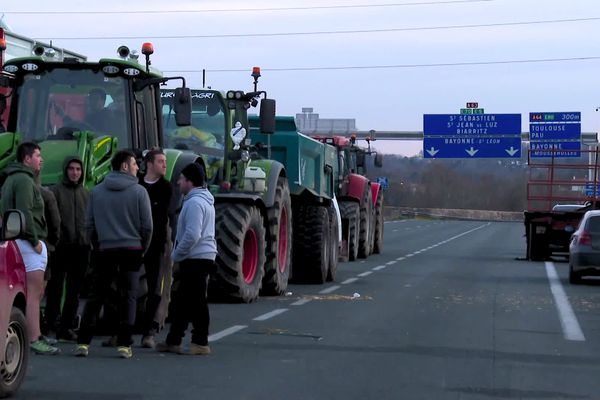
[{"x": 195, "y": 250}]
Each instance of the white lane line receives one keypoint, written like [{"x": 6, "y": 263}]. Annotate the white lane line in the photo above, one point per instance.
[
  {"x": 270, "y": 314},
  {"x": 379, "y": 268},
  {"x": 400, "y": 258},
  {"x": 367, "y": 273},
  {"x": 300, "y": 302},
  {"x": 226, "y": 332},
  {"x": 395, "y": 230},
  {"x": 347, "y": 281},
  {"x": 568, "y": 320},
  {"x": 330, "y": 289},
  {"x": 409, "y": 255},
  {"x": 391, "y": 262}
]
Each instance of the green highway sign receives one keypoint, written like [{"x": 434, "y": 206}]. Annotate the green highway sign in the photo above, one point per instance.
[{"x": 472, "y": 111}]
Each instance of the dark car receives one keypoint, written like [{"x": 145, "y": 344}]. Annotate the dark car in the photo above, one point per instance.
[
  {"x": 14, "y": 339},
  {"x": 584, "y": 248}
]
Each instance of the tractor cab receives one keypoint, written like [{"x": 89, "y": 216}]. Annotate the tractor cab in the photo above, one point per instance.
[{"x": 89, "y": 109}]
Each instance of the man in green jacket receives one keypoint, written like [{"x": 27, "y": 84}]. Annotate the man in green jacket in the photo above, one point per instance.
[
  {"x": 72, "y": 254},
  {"x": 20, "y": 192}
]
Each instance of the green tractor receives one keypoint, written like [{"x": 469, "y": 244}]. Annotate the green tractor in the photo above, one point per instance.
[
  {"x": 89, "y": 109},
  {"x": 255, "y": 194},
  {"x": 253, "y": 211}
]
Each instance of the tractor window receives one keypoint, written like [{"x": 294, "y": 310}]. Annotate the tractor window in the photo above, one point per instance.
[
  {"x": 57, "y": 103},
  {"x": 146, "y": 115},
  {"x": 208, "y": 122}
]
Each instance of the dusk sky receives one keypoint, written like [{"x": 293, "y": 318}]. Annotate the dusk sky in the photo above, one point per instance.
[{"x": 383, "y": 63}]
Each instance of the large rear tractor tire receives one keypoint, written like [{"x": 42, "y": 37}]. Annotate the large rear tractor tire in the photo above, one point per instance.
[
  {"x": 334, "y": 249},
  {"x": 16, "y": 354},
  {"x": 241, "y": 245},
  {"x": 279, "y": 241},
  {"x": 351, "y": 212},
  {"x": 365, "y": 236},
  {"x": 378, "y": 239},
  {"x": 312, "y": 244}
]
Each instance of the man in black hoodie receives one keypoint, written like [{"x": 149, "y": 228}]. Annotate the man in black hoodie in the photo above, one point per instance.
[
  {"x": 119, "y": 213},
  {"x": 71, "y": 257},
  {"x": 160, "y": 192}
]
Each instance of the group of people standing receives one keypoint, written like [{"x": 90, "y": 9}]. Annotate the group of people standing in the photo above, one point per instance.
[{"x": 118, "y": 227}]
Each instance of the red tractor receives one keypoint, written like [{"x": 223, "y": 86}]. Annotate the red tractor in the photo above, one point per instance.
[{"x": 359, "y": 199}]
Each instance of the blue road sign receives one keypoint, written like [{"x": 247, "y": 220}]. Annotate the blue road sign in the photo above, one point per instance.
[
  {"x": 589, "y": 190},
  {"x": 555, "y": 149},
  {"x": 554, "y": 131},
  {"x": 383, "y": 181},
  {"x": 555, "y": 134},
  {"x": 472, "y": 136},
  {"x": 471, "y": 125},
  {"x": 495, "y": 147}
]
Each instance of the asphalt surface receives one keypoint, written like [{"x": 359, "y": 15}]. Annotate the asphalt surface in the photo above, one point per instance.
[{"x": 447, "y": 311}]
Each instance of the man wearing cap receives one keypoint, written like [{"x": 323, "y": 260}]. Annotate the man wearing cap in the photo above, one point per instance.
[{"x": 195, "y": 250}]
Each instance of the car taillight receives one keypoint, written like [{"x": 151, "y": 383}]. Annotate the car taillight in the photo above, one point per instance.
[{"x": 585, "y": 239}]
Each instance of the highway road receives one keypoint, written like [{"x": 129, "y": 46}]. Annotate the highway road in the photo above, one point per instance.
[{"x": 448, "y": 311}]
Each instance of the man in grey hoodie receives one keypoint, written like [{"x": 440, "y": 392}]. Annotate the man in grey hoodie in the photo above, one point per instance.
[
  {"x": 195, "y": 250},
  {"x": 119, "y": 213}
]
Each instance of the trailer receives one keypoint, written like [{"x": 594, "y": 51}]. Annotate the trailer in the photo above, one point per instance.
[{"x": 559, "y": 192}]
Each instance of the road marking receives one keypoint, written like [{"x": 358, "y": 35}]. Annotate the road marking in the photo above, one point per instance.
[
  {"x": 568, "y": 319},
  {"x": 330, "y": 289},
  {"x": 379, "y": 268},
  {"x": 409, "y": 255},
  {"x": 300, "y": 302},
  {"x": 395, "y": 230},
  {"x": 271, "y": 314},
  {"x": 400, "y": 258},
  {"x": 226, "y": 332},
  {"x": 391, "y": 262},
  {"x": 367, "y": 273},
  {"x": 347, "y": 281}
]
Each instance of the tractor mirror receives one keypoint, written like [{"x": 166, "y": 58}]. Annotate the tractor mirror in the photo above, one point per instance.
[
  {"x": 183, "y": 106},
  {"x": 267, "y": 116},
  {"x": 360, "y": 160},
  {"x": 378, "y": 160}
]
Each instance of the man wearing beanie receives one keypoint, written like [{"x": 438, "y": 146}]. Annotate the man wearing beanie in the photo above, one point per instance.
[{"x": 195, "y": 250}]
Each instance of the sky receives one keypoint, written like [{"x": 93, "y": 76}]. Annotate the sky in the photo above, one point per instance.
[{"x": 400, "y": 60}]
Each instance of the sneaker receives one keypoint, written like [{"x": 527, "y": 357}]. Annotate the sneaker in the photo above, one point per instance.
[
  {"x": 67, "y": 336},
  {"x": 124, "y": 352},
  {"x": 110, "y": 342},
  {"x": 48, "y": 340},
  {"x": 164, "y": 347},
  {"x": 198, "y": 350},
  {"x": 148, "y": 342},
  {"x": 41, "y": 347},
  {"x": 82, "y": 350}
]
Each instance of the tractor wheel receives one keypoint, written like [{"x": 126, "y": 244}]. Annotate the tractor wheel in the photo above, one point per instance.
[
  {"x": 365, "y": 235},
  {"x": 241, "y": 243},
  {"x": 279, "y": 241},
  {"x": 334, "y": 249},
  {"x": 16, "y": 354},
  {"x": 351, "y": 212},
  {"x": 311, "y": 244},
  {"x": 378, "y": 240}
]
